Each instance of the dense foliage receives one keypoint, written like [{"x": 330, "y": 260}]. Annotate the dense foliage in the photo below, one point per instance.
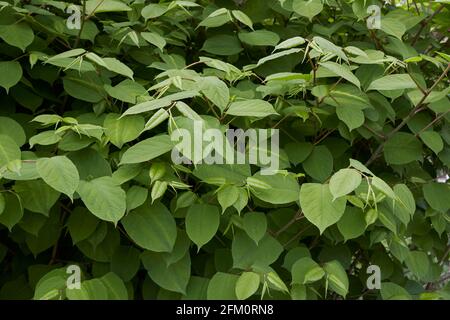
[{"x": 87, "y": 179}]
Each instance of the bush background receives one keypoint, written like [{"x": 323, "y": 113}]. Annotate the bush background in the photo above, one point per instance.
[{"x": 86, "y": 175}]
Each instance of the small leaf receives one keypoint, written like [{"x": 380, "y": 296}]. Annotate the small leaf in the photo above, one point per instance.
[
  {"x": 344, "y": 181},
  {"x": 337, "y": 277},
  {"x": 59, "y": 173},
  {"x": 227, "y": 196},
  {"x": 103, "y": 198},
  {"x": 306, "y": 270},
  {"x": 255, "y": 225},
  {"x": 152, "y": 227},
  {"x": 10, "y": 74},
  {"x": 393, "y": 82},
  {"x": 202, "y": 223},
  {"x": 247, "y": 285},
  {"x": 251, "y": 108},
  {"x": 147, "y": 149}
]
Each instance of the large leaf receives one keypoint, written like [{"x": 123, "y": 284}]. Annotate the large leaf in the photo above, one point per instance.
[
  {"x": 60, "y": 173},
  {"x": 147, "y": 150},
  {"x": 10, "y": 74},
  {"x": 152, "y": 227},
  {"x": 251, "y": 108},
  {"x": 276, "y": 189},
  {"x": 318, "y": 206},
  {"x": 341, "y": 71},
  {"x": 103, "y": 198},
  {"x": 122, "y": 130},
  {"x": 402, "y": 148},
  {"x": 393, "y": 82}
]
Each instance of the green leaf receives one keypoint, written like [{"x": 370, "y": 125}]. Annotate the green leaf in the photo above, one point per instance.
[
  {"x": 9, "y": 150},
  {"x": 298, "y": 151},
  {"x": 51, "y": 285},
  {"x": 393, "y": 82},
  {"x": 275, "y": 189},
  {"x": 319, "y": 163},
  {"x": 418, "y": 263},
  {"x": 251, "y": 108},
  {"x": 104, "y": 198},
  {"x": 13, "y": 129},
  {"x": 392, "y": 291},
  {"x": 216, "y": 91},
  {"x": 222, "y": 286},
  {"x": 159, "y": 103},
  {"x": 81, "y": 224},
  {"x": 437, "y": 195},
  {"x": 10, "y": 74},
  {"x": 309, "y": 8},
  {"x": 352, "y": 224},
  {"x": 393, "y": 27},
  {"x": 216, "y": 19},
  {"x": 59, "y": 173},
  {"x": 306, "y": 270},
  {"x": 19, "y": 35},
  {"x": 402, "y": 148},
  {"x": 93, "y": 289},
  {"x": 99, "y": 6},
  {"x": 153, "y": 10},
  {"x": 290, "y": 43},
  {"x": 318, "y": 206},
  {"x": 147, "y": 149},
  {"x": 352, "y": 116},
  {"x": 13, "y": 210},
  {"x": 114, "y": 65},
  {"x": 156, "y": 119},
  {"x": 344, "y": 181},
  {"x": 158, "y": 190},
  {"x": 125, "y": 262},
  {"x": 277, "y": 55},
  {"x": 259, "y": 38},
  {"x": 136, "y": 196},
  {"x": 2, "y": 203},
  {"x": 383, "y": 187},
  {"x": 222, "y": 45},
  {"x": 432, "y": 140},
  {"x": 227, "y": 196},
  {"x": 152, "y": 227},
  {"x": 36, "y": 195},
  {"x": 122, "y": 130},
  {"x": 337, "y": 277},
  {"x": 243, "y": 18},
  {"x": 341, "y": 71},
  {"x": 127, "y": 91},
  {"x": 45, "y": 138},
  {"x": 115, "y": 287},
  {"x": 174, "y": 277},
  {"x": 255, "y": 225},
  {"x": 246, "y": 253},
  {"x": 154, "y": 39},
  {"x": 202, "y": 223},
  {"x": 247, "y": 285}
]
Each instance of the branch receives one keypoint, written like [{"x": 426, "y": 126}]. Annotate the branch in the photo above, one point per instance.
[
  {"x": 425, "y": 23},
  {"x": 433, "y": 122},
  {"x": 408, "y": 117}
]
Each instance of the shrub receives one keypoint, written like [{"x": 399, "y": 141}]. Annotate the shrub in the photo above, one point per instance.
[{"x": 91, "y": 94}]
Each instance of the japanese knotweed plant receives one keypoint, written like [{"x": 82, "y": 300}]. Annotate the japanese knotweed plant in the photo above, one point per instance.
[{"x": 93, "y": 205}]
